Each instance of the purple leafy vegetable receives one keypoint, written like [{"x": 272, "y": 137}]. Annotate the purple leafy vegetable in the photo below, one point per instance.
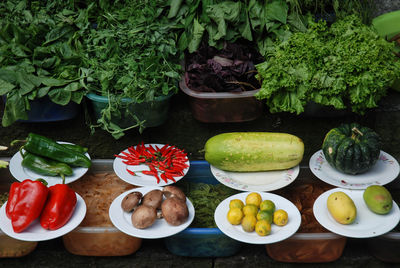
[{"x": 230, "y": 69}]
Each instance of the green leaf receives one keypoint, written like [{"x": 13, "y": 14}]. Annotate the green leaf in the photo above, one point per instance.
[
  {"x": 26, "y": 84},
  {"x": 198, "y": 31},
  {"x": 174, "y": 8},
  {"x": 74, "y": 86},
  {"x": 77, "y": 96},
  {"x": 5, "y": 87},
  {"x": 60, "y": 96},
  {"x": 53, "y": 82},
  {"x": 14, "y": 109},
  {"x": 277, "y": 10},
  {"x": 58, "y": 33},
  {"x": 43, "y": 91}
]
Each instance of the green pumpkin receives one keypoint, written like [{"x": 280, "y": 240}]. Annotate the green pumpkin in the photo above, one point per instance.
[{"x": 351, "y": 148}]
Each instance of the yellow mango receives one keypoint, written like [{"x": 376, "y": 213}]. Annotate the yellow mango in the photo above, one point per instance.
[{"x": 342, "y": 207}]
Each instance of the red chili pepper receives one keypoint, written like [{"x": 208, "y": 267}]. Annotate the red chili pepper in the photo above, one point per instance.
[
  {"x": 149, "y": 172},
  {"x": 59, "y": 207},
  {"x": 131, "y": 172},
  {"x": 164, "y": 177},
  {"x": 169, "y": 177},
  {"x": 30, "y": 200}
]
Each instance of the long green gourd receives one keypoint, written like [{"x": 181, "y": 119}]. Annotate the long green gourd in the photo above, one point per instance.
[{"x": 254, "y": 151}]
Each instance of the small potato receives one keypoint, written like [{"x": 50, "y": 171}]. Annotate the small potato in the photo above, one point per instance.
[
  {"x": 170, "y": 191},
  {"x": 153, "y": 198},
  {"x": 144, "y": 216},
  {"x": 131, "y": 201},
  {"x": 174, "y": 211}
]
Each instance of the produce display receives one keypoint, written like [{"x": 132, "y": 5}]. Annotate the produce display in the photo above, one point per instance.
[
  {"x": 255, "y": 214},
  {"x": 254, "y": 151},
  {"x": 168, "y": 203},
  {"x": 30, "y": 200},
  {"x": 134, "y": 52},
  {"x": 342, "y": 208},
  {"x": 48, "y": 157},
  {"x": 165, "y": 163},
  {"x": 351, "y": 148}
]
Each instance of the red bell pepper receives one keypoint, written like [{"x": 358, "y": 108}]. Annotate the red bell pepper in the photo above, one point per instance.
[
  {"x": 27, "y": 200},
  {"x": 12, "y": 198},
  {"x": 59, "y": 207}
]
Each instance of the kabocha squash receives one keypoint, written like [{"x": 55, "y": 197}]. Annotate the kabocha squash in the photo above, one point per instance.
[
  {"x": 254, "y": 151},
  {"x": 351, "y": 148}
]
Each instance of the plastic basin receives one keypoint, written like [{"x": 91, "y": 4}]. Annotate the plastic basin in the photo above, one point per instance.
[{"x": 155, "y": 112}]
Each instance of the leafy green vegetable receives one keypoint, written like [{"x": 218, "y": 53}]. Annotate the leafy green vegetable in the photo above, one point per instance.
[
  {"x": 345, "y": 65},
  {"x": 205, "y": 199},
  {"x": 132, "y": 53},
  {"x": 40, "y": 55},
  {"x": 219, "y": 21}
]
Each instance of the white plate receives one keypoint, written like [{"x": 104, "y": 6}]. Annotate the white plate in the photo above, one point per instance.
[
  {"x": 385, "y": 170},
  {"x": 278, "y": 233},
  {"x": 367, "y": 224},
  {"x": 160, "y": 229},
  {"x": 21, "y": 173},
  {"x": 35, "y": 232},
  {"x": 256, "y": 181},
  {"x": 141, "y": 179}
]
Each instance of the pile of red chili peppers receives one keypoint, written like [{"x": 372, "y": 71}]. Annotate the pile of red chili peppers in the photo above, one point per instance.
[{"x": 164, "y": 163}]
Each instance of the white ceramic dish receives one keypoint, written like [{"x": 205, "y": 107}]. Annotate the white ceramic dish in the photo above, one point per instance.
[
  {"x": 367, "y": 224},
  {"x": 278, "y": 233},
  {"x": 384, "y": 171},
  {"x": 35, "y": 232},
  {"x": 160, "y": 229},
  {"x": 256, "y": 181},
  {"x": 21, "y": 173},
  {"x": 141, "y": 179}
]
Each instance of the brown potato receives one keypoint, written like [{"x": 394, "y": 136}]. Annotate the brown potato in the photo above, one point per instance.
[
  {"x": 144, "y": 216},
  {"x": 131, "y": 201},
  {"x": 153, "y": 198},
  {"x": 170, "y": 191},
  {"x": 174, "y": 211}
]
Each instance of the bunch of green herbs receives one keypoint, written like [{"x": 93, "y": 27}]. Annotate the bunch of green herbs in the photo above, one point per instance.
[
  {"x": 346, "y": 65},
  {"x": 205, "y": 199},
  {"x": 218, "y": 21},
  {"x": 40, "y": 55},
  {"x": 132, "y": 53}
]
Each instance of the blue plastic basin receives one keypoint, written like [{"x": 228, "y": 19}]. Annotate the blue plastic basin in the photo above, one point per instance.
[{"x": 201, "y": 242}]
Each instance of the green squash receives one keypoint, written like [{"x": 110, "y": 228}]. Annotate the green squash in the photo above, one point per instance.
[{"x": 351, "y": 148}]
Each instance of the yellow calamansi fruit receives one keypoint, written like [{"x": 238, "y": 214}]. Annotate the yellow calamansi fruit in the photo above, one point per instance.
[
  {"x": 267, "y": 205},
  {"x": 249, "y": 223},
  {"x": 235, "y": 216},
  {"x": 236, "y": 203},
  {"x": 280, "y": 217},
  {"x": 253, "y": 199},
  {"x": 263, "y": 227},
  {"x": 250, "y": 210},
  {"x": 265, "y": 215}
]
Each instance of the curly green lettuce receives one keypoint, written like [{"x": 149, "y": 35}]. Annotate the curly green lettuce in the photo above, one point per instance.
[{"x": 346, "y": 65}]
